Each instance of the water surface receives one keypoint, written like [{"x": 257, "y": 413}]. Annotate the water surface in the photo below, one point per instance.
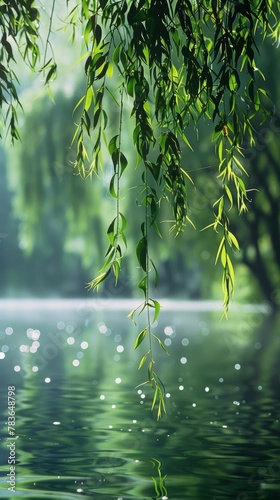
[{"x": 86, "y": 432}]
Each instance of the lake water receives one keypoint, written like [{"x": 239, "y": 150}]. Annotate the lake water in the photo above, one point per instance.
[{"x": 85, "y": 431}]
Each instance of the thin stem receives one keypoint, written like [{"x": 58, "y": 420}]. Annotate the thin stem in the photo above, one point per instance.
[
  {"x": 49, "y": 34},
  {"x": 147, "y": 291},
  {"x": 119, "y": 159}
]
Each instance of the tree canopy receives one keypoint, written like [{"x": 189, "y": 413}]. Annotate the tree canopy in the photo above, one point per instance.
[{"x": 164, "y": 66}]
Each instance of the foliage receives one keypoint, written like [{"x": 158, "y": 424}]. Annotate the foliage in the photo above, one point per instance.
[
  {"x": 173, "y": 64},
  {"x": 159, "y": 482}
]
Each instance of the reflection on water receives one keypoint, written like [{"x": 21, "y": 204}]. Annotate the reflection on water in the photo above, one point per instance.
[{"x": 86, "y": 432}]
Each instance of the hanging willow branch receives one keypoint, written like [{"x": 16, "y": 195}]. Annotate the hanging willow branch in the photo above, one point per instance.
[{"x": 173, "y": 62}]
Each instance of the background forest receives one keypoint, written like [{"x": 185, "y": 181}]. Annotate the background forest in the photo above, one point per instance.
[{"x": 53, "y": 222}]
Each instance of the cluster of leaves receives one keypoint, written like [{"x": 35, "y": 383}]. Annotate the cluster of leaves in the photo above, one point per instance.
[
  {"x": 19, "y": 23},
  {"x": 174, "y": 63},
  {"x": 19, "y": 31},
  {"x": 149, "y": 201}
]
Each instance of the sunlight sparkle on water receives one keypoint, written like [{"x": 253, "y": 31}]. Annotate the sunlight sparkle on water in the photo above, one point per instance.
[
  {"x": 185, "y": 341},
  {"x": 118, "y": 380},
  {"x": 84, "y": 345},
  {"x": 17, "y": 368},
  {"x": 75, "y": 362},
  {"x": 102, "y": 397},
  {"x": 9, "y": 330},
  {"x": 47, "y": 380},
  {"x": 168, "y": 330},
  {"x": 70, "y": 340},
  {"x": 24, "y": 348},
  {"x": 207, "y": 389},
  {"x": 237, "y": 366},
  {"x": 120, "y": 348},
  {"x": 183, "y": 360},
  {"x": 2, "y": 355},
  {"x": 33, "y": 334},
  {"x": 102, "y": 327}
]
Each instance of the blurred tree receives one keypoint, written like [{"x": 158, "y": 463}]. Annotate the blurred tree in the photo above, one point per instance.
[
  {"x": 8, "y": 233},
  {"x": 55, "y": 207}
]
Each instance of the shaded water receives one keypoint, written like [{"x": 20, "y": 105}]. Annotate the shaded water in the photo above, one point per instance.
[{"x": 86, "y": 432}]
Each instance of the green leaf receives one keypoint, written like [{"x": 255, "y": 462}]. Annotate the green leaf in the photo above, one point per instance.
[
  {"x": 110, "y": 70},
  {"x": 229, "y": 195},
  {"x": 123, "y": 222},
  {"x": 96, "y": 281},
  {"x": 143, "y": 360},
  {"x": 112, "y": 189},
  {"x": 113, "y": 144},
  {"x": 88, "y": 29},
  {"x": 231, "y": 269},
  {"x": 220, "y": 150},
  {"x": 224, "y": 256},
  {"x": 161, "y": 344},
  {"x": 123, "y": 162},
  {"x": 221, "y": 207},
  {"x": 150, "y": 373},
  {"x": 219, "y": 249},
  {"x": 156, "y": 305},
  {"x": 233, "y": 239},
  {"x": 156, "y": 273},
  {"x": 89, "y": 98},
  {"x": 155, "y": 397},
  {"x": 239, "y": 164},
  {"x": 143, "y": 284},
  {"x": 111, "y": 232},
  {"x": 51, "y": 74},
  {"x": 142, "y": 252},
  {"x": 140, "y": 338},
  {"x": 190, "y": 221}
]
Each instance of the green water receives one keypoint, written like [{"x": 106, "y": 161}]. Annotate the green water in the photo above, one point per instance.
[{"x": 86, "y": 432}]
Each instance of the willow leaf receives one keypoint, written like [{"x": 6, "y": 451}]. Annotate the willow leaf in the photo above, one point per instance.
[{"x": 140, "y": 338}]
